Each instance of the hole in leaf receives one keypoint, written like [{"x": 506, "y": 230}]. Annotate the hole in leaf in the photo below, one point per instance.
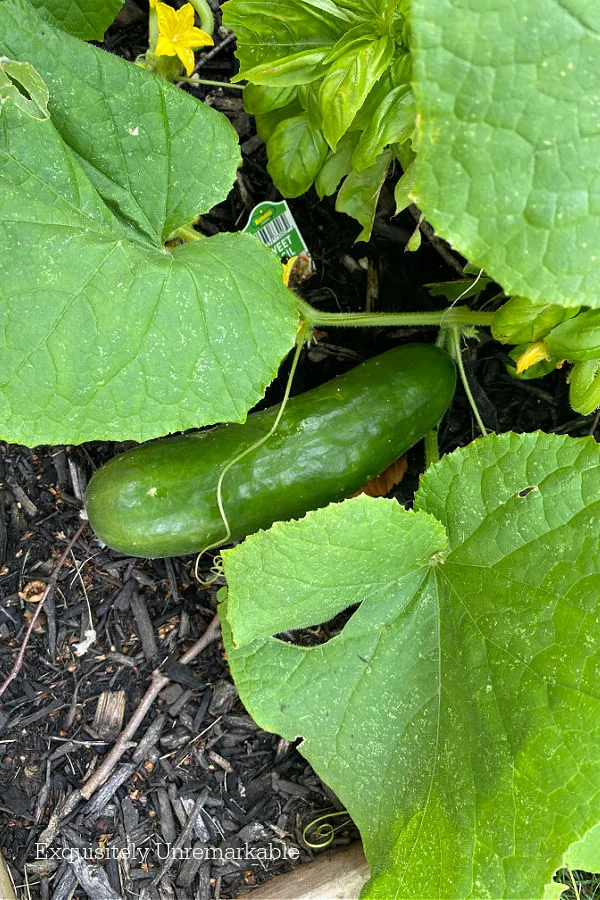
[
  {"x": 19, "y": 86},
  {"x": 581, "y": 885},
  {"x": 319, "y": 634},
  {"x": 527, "y": 490}
]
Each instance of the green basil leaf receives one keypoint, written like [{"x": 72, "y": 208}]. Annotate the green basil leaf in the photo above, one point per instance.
[
  {"x": 367, "y": 10},
  {"x": 308, "y": 95},
  {"x": 457, "y": 713},
  {"x": 359, "y": 194},
  {"x": 392, "y": 122},
  {"x": 297, "y": 68},
  {"x": 296, "y": 152},
  {"x": 270, "y": 30},
  {"x": 346, "y": 85},
  {"x": 405, "y": 186},
  {"x": 266, "y": 123},
  {"x": 350, "y": 42},
  {"x": 337, "y": 165},
  {"x": 259, "y": 99},
  {"x": 86, "y": 19},
  {"x": 405, "y": 155}
]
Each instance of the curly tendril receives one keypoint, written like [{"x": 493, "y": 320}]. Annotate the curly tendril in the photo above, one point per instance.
[{"x": 324, "y": 831}]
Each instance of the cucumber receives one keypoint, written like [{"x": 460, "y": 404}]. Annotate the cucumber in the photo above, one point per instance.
[{"x": 160, "y": 499}]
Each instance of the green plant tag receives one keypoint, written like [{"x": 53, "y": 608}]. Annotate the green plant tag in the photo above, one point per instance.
[
  {"x": 457, "y": 713},
  {"x": 275, "y": 226}
]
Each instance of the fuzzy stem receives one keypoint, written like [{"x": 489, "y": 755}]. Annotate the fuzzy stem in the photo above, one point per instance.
[
  {"x": 222, "y": 84},
  {"x": 205, "y": 15},
  {"x": 432, "y": 450},
  {"x": 448, "y": 318},
  {"x": 152, "y": 30},
  {"x": 186, "y": 233}
]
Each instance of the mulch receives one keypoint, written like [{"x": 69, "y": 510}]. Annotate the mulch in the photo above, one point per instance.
[
  {"x": 201, "y": 759},
  {"x": 199, "y": 772}
]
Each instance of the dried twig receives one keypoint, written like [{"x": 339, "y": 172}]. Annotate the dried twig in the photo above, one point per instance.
[
  {"x": 210, "y": 54},
  {"x": 49, "y": 588},
  {"x": 159, "y": 681}
]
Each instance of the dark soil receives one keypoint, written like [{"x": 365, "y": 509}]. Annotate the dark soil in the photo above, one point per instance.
[{"x": 203, "y": 762}]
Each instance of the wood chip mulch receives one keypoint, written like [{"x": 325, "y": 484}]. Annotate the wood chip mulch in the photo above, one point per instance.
[{"x": 202, "y": 803}]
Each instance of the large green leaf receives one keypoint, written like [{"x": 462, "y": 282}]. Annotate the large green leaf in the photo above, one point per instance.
[
  {"x": 86, "y": 19},
  {"x": 105, "y": 334},
  {"x": 507, "y": 101},
  {"x": 457, "y": 713}
]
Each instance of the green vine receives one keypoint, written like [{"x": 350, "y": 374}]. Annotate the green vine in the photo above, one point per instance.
[
  {"x": 205, "y": 14},
  {"x": 457, "y": 356},
  {"x": 301, "y": 337},
  {"x": 448, "y": 318}
]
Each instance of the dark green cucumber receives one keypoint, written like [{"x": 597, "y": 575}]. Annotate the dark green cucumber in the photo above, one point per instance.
[{"x": 160, "y": 499}]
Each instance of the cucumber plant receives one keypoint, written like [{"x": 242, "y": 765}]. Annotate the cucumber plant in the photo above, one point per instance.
[
  {"x": 106, "y": 332},
  {"x": 464, "y": 691}
]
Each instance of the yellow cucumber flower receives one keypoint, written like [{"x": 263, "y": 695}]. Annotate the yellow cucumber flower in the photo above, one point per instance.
[
  {"x": 287, "y": 270},
  {"x": 177, "y": 35},
  {"x": 535, "y": 353}
]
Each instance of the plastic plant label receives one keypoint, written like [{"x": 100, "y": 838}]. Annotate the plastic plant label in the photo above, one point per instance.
[{"x": 275, "y": 226}]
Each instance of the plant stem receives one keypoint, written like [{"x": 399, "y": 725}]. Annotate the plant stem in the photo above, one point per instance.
[
  {"x": 455, "y": 340},
  {"x": 205, "y": 15},
  {"x": 432, "y": 450},
  {"x": 186, "y": 233},
  {"x": 448, "y": 318},
  {"x": 152, "y": 30},
  {"x": 442, "y": 338},
  {"x": 207, "y": 81}
]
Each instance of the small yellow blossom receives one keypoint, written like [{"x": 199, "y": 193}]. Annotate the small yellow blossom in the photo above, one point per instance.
[
  {"x": 535, "y": 353},
  {"x": 177, "y": 34},
  {"x": 153, "y": 4}
]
